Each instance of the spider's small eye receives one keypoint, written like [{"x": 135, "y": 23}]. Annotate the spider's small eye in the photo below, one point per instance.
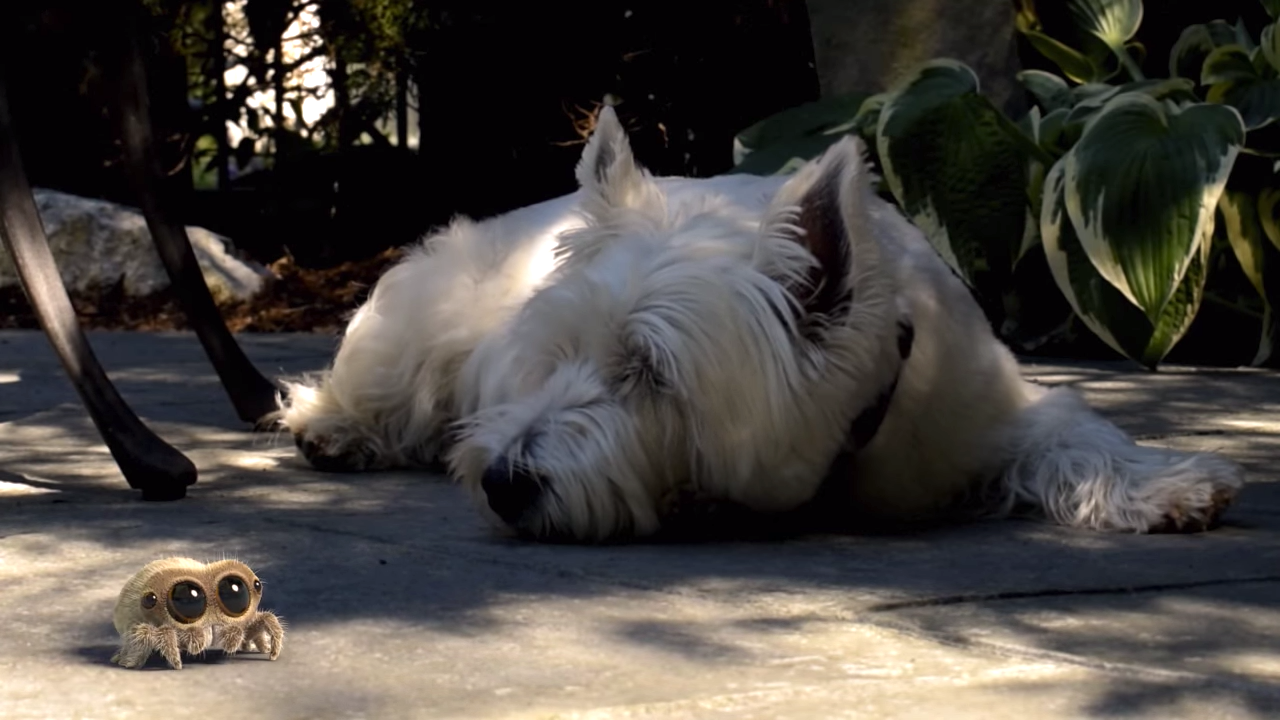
[
  {"x": 149, "y": 601},
  {"x": 233, "y": 595},
  {"x": 257, "y": 585},
  {"x": 187, "y": 602}
]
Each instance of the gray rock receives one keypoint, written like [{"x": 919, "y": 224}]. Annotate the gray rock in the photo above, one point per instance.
[{"x": 98, "y": 244}]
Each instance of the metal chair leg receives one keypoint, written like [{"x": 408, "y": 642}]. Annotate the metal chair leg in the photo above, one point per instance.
[
  {"x": 148, "y": 463},
  {"x": 253, "y": 396}
]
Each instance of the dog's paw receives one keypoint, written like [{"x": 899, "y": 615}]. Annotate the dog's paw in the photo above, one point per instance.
[
  {"x": 1195, "y": 495},
  {"x": 1196, "y": 517},
  {"x": 328, "y": 455}
]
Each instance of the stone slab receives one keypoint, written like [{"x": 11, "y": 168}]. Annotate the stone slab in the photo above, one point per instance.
[{"x": 402, "y": 602}]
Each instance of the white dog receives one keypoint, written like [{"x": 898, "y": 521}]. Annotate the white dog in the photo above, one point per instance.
[{"x": 588, "y": 364}]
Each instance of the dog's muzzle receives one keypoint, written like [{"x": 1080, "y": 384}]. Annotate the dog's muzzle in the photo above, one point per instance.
[{"x": 511, "y": 490}]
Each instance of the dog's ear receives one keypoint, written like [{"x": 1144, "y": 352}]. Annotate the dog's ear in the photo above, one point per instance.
[
  {"x": 607, "y": 172},
  {"x": 823, "y": 209}
]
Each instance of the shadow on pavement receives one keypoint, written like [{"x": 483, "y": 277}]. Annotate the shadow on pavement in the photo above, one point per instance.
[{"x": 1168, "y": 617}]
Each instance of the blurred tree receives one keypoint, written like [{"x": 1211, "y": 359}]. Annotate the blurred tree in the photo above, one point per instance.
[
  {"x": 306, "y": 108},
  {"x": 366, "y": 41},
  {"x": 60, "y": 98}
]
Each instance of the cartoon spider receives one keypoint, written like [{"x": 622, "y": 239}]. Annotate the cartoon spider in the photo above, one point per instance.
[{"x": 165, "y": 608}]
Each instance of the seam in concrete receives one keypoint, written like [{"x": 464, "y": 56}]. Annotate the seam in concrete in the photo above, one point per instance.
[
  {"x": 1063, "y": 592},
  {"x": 559, "y": 571},
  {"x": 1183, "y": 434}
]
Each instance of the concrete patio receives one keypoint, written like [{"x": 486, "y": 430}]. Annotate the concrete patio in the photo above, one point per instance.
[{"x": 402, "y": 603}]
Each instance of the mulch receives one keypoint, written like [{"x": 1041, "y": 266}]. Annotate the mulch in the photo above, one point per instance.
[{"x": 298, "y": 299}]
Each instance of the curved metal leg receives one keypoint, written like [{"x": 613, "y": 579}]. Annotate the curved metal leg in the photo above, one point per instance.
[
  {"x": 148, "y": 463},
  {"x": 252, "y": 395}
]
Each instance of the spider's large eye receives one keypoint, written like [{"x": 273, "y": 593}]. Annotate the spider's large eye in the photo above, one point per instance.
[
  {"x": 186, "y": 602},
  {"x": 233, "y": 595}
]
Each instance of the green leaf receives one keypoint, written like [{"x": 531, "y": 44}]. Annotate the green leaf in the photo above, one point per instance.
[
  {"x": 1141, "y": 187},
  {"x": 958, "y": 168},
  {"x": 1137, "y": 51},
  {"x": 1270, "y": 45},
  {"x": 1030, "y": 123},
  {"x": 780, "y": 142},
  {"x": 868, "y": 117},
  {"x": 803, "y": 121},
  {"x": 1074, "y": 64},
  {"x": 1180, "y": 311},
  {"x": 1257, "y": 100},
  {"x": 1114, "y": 22},
  {"x": 1034, "y": 125},
  {"x": 1244, "y": 232},
  {"x": 1103, "y": 308},
  {"x": 1051, "y": 134},
  {"x": 1241, "y": 34},
  {"x": 1187, "y": 57},
  {"x": 1245, "y": 81},
  {"x": 1269, "y": 214},
  {"x": 784, "y": 157},
  {"x": 1051, "y": 91},
  {"x": 1227, "y": 63},
  {"x": 1097, "y": 96},
  {"x": 1272, "y": 7},
  {"x": 1258, "y": 258}
]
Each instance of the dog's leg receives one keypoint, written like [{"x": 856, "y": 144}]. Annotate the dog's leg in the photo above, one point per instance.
[
  {"x": 1078, "y": 469},
  {"x": 390, "y": 393}
]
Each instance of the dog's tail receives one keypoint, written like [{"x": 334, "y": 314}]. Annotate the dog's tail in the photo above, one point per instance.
[{"x": 1070, "y": 464}]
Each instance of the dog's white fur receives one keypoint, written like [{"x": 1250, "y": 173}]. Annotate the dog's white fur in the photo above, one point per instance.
[{"x": 645, "y": 339}]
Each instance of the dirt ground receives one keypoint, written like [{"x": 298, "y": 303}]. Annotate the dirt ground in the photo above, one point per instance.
[{"x": 298, "y": 300}]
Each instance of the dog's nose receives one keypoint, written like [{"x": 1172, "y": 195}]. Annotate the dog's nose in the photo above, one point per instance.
[{"x": 511, "y": 490}]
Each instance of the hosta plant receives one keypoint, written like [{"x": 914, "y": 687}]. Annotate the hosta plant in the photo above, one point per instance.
[{"x": 1119, "y": 182}]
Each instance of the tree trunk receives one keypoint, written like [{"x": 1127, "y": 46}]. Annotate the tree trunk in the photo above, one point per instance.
[
  {"x": 868, "y": 45},
  {"x": 402, "y": 107},
  {"x": 220, "y": 112},
  {"x": 342, "y": 102},
  {"x": 277, "y": 80}
]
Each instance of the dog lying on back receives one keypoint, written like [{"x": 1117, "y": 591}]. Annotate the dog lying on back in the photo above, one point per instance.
[{"x": 586, "y": 365}]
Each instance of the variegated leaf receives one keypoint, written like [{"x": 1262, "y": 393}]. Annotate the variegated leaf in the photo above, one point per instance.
[
  {"x": 1074, "y": 64},
  {"x": 1141, "y": 187},
  {"x": 1244, "y": 80},
  {"x": 1114, "y": 22},
  {"x": 1050, "y": 91},
  {"x": 1269, "y": 214},
  {"x": 868, "y": 117},
  {"x": 1242, "y": 225},
  {"x": 1244, "y": 233},
  {"x": 778, "y": 143},
  {"x": 1092, "y": 100},
  {"x": 1270, "y": 45},
  {"x": 958, "y": 168},
  {"x": 1186, "y": 59},
  {"x": 1102, "y": 308}
]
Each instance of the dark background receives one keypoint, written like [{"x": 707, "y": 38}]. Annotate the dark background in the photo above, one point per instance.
[
  {"x": 505, "y": 93},
  {"x": 500, "y": 85}
]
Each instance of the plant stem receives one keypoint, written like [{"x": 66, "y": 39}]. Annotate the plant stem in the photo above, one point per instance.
[
  {"x": 1235, "y": 307},
  {"x": 1126, "y": 61}
]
